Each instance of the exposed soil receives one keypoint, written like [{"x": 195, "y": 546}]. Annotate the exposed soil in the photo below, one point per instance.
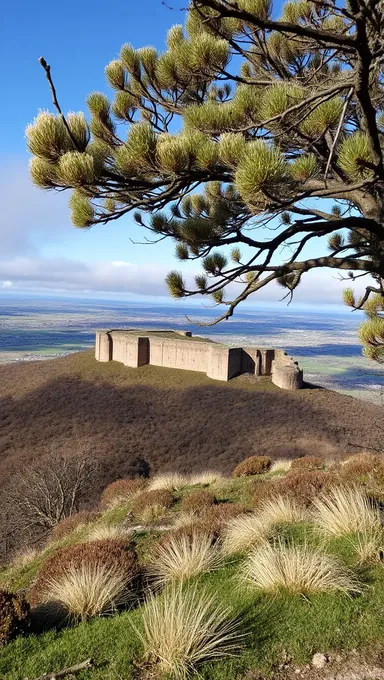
[{"x": 172, "y": 419}]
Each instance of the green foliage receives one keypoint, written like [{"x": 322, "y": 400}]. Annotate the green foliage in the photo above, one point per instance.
[
  {"x": 303, "y": 167},
  {"x": 354, "y": 152},
  {"x": 82, "y": 211},
  {"x": 175, "y": 283},
  {"x": 262, "y": 169},
  {"x": 47, "y": 137}
]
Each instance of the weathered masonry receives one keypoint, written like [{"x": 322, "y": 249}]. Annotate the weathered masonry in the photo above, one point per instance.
[{"x": 178, "y": 349}]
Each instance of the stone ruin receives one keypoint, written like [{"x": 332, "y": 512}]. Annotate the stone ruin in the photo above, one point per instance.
[{"x": 178, "y": 349}]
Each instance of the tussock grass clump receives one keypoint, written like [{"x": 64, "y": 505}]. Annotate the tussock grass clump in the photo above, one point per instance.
[
  {"x": 91, "y": 589},
  {"x": 254, "y": 465},
  {"x": 172, "y": 481},
  {"x": 243, "y": 532},
  {"x": 345, "y": 510},
  {"x": 298, "y": 569},
  {"x": 308, "y": 463},
  {"x": 186, "y": 627},
  {"x": 104, "y": 532},
  {"x": 281, "y": 510},
  {"x": 152, "y": 504},
  {"x": 182, "y": 555},
  {"x": 14, "y": 615},
  {"x": 72, "y": 523},
  {"x": 120, "y": 491},
  {"x": 281, "y": 465},
  {"x": 61, "y": 566},
  {"x": 369, "y": 545},
  {"x": 205, "y": 478},
  {"x": 24, "y": 557},
  {"x": 197, "y": 501}
]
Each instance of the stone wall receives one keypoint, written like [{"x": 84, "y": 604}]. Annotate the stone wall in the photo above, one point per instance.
[{"x": 177, "y": 349}]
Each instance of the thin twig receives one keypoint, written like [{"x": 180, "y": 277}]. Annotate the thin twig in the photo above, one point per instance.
[
  {"x": 56, "y": 104},
  {"x": 88, "y": 663},
  {"x": 340, "y": 125}
]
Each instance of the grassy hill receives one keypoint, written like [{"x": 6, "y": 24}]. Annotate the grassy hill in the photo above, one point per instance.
[{"x": 281, "y": 616}]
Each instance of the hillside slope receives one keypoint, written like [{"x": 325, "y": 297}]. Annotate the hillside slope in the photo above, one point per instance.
[{"x": 172, "y": 419}]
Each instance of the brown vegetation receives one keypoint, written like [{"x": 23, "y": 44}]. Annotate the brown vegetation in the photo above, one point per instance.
[
  {"x": 254, "y": 465},
  {"x": 308, "y": 463},
  {"x": 107, "y": 553},
  {"x": 161, "y": 499},
  {"x": 14, "y": 615},
  {"x": 197, "y": 501},
  {"x": 124, "y": 416},
  {"x": 120, "y": 490},
  {"x": 69, "y": 524}
]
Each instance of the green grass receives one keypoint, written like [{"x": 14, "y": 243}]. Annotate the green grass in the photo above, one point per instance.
[{"x": 276, "y": 625}]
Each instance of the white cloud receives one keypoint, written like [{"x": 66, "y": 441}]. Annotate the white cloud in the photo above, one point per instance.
[{"x": 6, "y": 284}]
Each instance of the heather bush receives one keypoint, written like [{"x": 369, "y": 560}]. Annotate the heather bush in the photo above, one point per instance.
[
  {"x": 262, "y": 490},
  {"x": 151, "y": 504},
  {"x": 215, "y": 517},
  {"x": 364, "y": 468},
  {"x": 255, "y": 465},
  {"x": 69, "y": 524},
  {"x": 14, "y": 615},
  {"x": 308, "y": 463},
  {"x": 303, "y": 486},
  {"x": 109, "y": 554},
  {"x": 197, "y": 501},
  {"x": 119, "y": 491}
]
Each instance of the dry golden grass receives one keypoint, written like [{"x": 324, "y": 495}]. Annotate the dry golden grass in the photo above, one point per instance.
[
  {"x": 184, "y": 628},
  {"x": 168, "y": 482},
  {"x": 91, "y": 589},
  {"x": 242, "y": 533},
  {"x": 345, "y": 510},
  {"x": 152, "y": 513},
  {"x": 298, "y": 569},
  {"x": 206, "y": 478},
  {"x": 182, "y": 556},
  {"x": 281, "y": 465},
  {"x": 108, "y": 531},
  {"x": 24, "y": 557},
  {"x": 369, "y": 545},
  {"x": 281, "y": 510}
]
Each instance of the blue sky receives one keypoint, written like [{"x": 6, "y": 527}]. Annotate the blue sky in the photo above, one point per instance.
[{"x": 41, "y": 251}]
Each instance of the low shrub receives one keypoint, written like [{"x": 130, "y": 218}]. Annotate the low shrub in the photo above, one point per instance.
[
  {"x": 255, "y": 465},
  {"x": 182, "y": 555},
  {"x": 345, "y": 510},
  {"x": 197, "y": 501},
  {"x": 14, "y": 615},
  {"x": 60, "y": 567},
  {"x": 303, "y": 486},
  {"x": 69, "y": 524},
  {"x": 184, "y": 628},
  {"x": 364, "y": 468},
  {"x": 119, "y": 491},
  {"x": 298, "y": 569},
  {"x": 216, "y": 517},
  {"x": 262, "y": 490},
  {"x": 151, "y": 504},
  {"x": 308, "y": 463}
]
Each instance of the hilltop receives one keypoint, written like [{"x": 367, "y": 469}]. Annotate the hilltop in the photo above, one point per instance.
[{"x": 173, "y": 419}]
